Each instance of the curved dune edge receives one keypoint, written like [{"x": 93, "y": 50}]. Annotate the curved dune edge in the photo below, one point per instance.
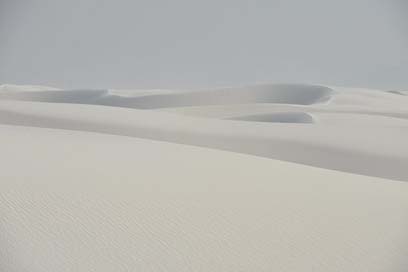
[
  {"x": 278, "y": 117},
  {"x": 72, "y": 200}
]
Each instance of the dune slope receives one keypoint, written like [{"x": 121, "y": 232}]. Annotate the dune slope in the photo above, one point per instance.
[{"x": 77, "y": 201}]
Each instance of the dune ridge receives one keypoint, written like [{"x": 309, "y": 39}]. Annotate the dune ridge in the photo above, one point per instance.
[{"x": 279, "y": 93}]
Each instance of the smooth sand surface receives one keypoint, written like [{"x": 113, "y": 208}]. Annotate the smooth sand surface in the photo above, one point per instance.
[
  {"x": 352, "y": 130},
  {"x": 86, "y": 186}
]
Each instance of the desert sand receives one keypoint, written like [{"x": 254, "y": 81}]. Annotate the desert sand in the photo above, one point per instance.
[{"x": 274, "y": 177}]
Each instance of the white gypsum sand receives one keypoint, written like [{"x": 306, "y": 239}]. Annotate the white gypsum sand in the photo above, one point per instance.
[
  {"x": 81, "y": 191},
  {"x": 353, "y": 130}
]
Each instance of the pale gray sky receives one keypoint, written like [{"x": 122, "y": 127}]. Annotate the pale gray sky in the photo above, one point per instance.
[{"x": 189, "y": 43}]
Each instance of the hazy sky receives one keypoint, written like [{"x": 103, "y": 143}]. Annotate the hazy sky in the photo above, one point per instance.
[{"x": 188, "y": 43}]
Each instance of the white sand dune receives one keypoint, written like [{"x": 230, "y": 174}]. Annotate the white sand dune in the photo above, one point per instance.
[
  {"x": 81, "y": 191},
  {"x": 340, "y": 138}
]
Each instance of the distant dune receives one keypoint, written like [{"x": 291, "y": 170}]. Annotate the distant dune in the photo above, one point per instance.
[
  {"x": 279, "y": 93},
  {"x": 331, "y": 128},
  {"x": 167, "y": 180}
]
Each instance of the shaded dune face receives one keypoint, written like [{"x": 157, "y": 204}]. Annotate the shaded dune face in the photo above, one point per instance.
[
  {"x": 279, "y": 93},
  {"x": 61, "y": 96},
  {"x": 399, "y": 92},
  {"x": 273, "y": 93},
  {"x": 278, "y": 117}
]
